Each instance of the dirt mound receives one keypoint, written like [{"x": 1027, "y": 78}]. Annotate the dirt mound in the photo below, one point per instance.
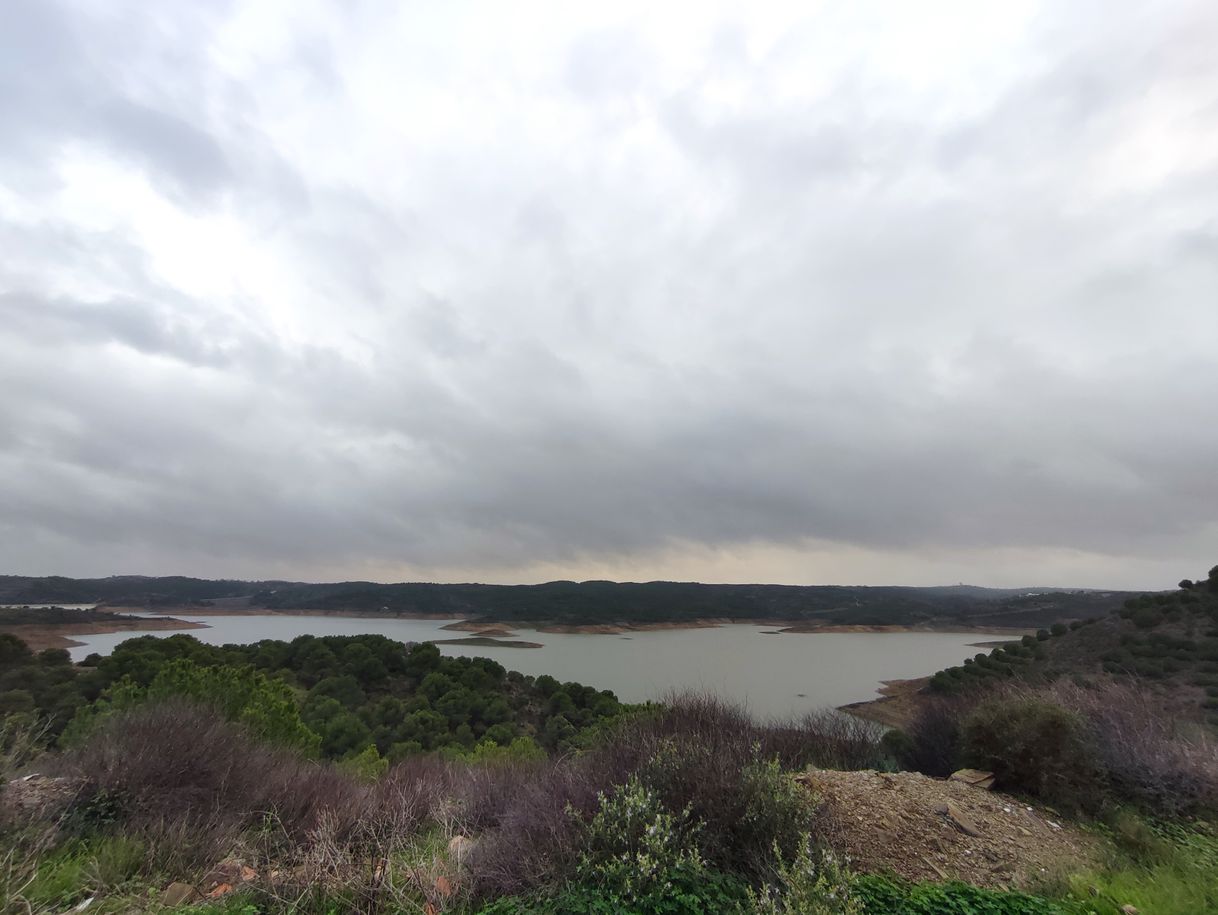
[{"x": 926, "y": 829}]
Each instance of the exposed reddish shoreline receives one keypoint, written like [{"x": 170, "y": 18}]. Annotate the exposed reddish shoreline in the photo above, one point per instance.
[
  {"x": 39, "y": 636},
  {"x": 506, "y": 628},
  {"x": 898, "y": 703},
  {"x": 263, "y": 611}
]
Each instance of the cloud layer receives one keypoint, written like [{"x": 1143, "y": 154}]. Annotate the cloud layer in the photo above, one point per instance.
[{"x": 519, "y": 291}]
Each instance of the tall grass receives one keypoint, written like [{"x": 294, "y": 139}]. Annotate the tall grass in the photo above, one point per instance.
[{"x": 1175, "y": 873}]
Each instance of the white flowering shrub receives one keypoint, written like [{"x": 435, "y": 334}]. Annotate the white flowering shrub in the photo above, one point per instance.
[
  {"x": 638, "y": 856},
  {"x": 815, "y": 883}
]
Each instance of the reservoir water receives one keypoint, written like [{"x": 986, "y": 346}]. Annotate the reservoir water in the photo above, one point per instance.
[{"x": 773, "y": 674}]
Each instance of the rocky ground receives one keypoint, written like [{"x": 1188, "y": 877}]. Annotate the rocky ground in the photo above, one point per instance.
[{"x": 928, "y": 829}]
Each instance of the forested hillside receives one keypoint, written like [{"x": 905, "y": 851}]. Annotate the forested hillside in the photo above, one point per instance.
[
  {"x": 574, "y": 603},
  {"x": 339, "y": 696},
  {"x": 1167, "y": 640}
]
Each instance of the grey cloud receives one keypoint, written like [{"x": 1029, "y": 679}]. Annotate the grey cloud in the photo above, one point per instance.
[
  {"x": 183, "y": 151},
  {"x": 149, "y": 330},
  {"x": 596, "y": 313}
]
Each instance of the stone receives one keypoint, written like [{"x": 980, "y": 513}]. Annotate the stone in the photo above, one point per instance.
[
  {"x": 933, "y": 866},
  {"x": 975, "y": 777},
  {"x": 1128, "y": 909},
  {"x": 178, "y": 894},
  {"x": 959, "y": 819}
]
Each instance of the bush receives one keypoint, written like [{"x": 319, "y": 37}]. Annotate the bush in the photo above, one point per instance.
[
  {"x": 266, "y": 708},
  {"x": 748, "y": 808},
  {"x": 639, "y": 856},
  {"x": 696, "y": 754},
  {"x": 815, "y": 883},
  {"x": 1150, "y": 754},
  {"x": 1035, "y": 747},
  {"x": 931, "y": 741},
  {"x": 182, "y": 778}
]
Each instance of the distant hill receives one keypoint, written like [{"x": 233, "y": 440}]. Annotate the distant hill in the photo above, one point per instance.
[
  {"x": 124, "y": 590},
  {"x": 576, "y": 603}
]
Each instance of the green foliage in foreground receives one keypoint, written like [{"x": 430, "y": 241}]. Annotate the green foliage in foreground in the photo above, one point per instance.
[
  {"x": 864, "y": 895},
  {"x": 881, "y": 896},
  {"x": 267, "y": 708},
  {"x": 1164, "y": 869}
]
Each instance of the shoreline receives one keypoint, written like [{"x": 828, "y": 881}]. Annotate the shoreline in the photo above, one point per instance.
[
  {"x": 266, "y": 611},
  {"x": 897, "y": 703},
  {"x": 41, "y": 636},
  {"x": 492, "y": 628}
]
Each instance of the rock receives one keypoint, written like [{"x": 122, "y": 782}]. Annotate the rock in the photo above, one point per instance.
[
  {"x": 975, "y": 777},
  {"x": 38, "y": 795},
  {"x": 938, "y": 870},
  {"x": 1128, "y": 909},
  {"x": 959, "y": 819},
  {"x": 178, "y": 894}
]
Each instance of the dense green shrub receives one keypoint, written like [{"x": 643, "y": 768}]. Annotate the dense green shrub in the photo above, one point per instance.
[
  {"x": 639, "y": 856},
  {"x": 266, "y": 708},
  {"x": 752, "y": 814},
  {"x": 636, "y": 856},
  {"x": 1035, "y": 747},
  {"x": 884, "y": 896},
  {"x": 357, "y": 692}
]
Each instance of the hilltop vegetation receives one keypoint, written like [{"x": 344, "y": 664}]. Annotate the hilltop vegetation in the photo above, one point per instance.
[
  {"x": 1080, "y": 714},
  {"x": 1169, "y": 640},
  {"x": 576, "y": 603},
  {"x": 343, "y": 697}
]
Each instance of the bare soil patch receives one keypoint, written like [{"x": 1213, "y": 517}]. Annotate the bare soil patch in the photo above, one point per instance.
[{"x": 926, "y": 829}]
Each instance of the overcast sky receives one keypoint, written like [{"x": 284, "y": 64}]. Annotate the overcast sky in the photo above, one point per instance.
[{"x": 868, "y": 293}]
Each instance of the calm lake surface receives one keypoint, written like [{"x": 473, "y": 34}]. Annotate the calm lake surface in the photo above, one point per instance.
[{"x": 774, "y": 674}]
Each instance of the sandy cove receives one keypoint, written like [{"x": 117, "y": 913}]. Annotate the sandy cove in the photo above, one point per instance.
[{"x": 39, "y": 636}]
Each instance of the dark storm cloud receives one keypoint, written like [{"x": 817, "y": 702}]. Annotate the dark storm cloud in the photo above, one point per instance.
[{"x": 380, "y": 294}]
